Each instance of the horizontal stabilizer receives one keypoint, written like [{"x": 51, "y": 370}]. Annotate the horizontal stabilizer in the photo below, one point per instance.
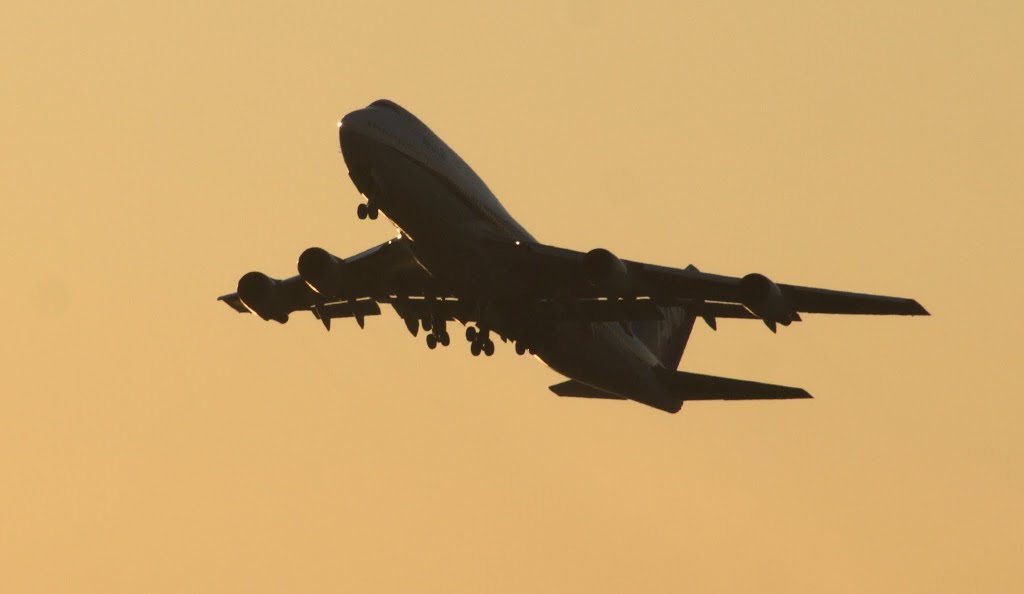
[
  {"x": 575, "y": 389},
  {"x": 695, "y": 386}
]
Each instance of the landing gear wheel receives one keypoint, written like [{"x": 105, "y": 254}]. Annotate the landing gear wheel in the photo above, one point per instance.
[
  {"x": 488, "y": 348},
  {"x": 471, "y": 333},
  {"x": 475, "y": 348},
  {"x": 362, "y": 211},
  {"x": 426, "y": 324},
  {"x": 431, "y": 341},
  {"x": 373, "y": 211},
  {"x": 444, "y": 339},
  {"x": 520, "y": 348}
]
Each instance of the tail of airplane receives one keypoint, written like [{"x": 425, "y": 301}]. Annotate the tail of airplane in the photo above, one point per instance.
[
  {"x": 681, "y": 386},
  {"x": 697, "y": 386},
  {"x": 667, "y": 337}
]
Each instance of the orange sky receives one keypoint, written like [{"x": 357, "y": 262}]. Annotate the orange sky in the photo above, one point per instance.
[{"x": 151, "y": 440}]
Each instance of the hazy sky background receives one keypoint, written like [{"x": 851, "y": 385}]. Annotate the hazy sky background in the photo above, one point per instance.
[{"x": 152, "y": 440}]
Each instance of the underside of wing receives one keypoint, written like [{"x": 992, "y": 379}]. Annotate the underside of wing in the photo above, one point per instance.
[
  {"x": 557, "y": 273},
  {"x": 332, "y": 287},
  {"x": 281, "y": 298},
  {"x": 234, "y": 301},
  {"x": 811, "y": 300}
]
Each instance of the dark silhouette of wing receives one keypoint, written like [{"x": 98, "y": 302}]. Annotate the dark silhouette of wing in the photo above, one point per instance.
[
  {"x": 357, "y": 283},
  {"x": 549, "y": 272}
]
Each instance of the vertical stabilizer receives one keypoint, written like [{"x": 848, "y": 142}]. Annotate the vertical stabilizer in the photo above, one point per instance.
[{"x": 666, "y": 338}]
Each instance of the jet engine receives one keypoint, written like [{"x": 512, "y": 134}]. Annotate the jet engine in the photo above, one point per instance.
[
  {"x": 322, "y": 271},
  {"x": 765, "y": 299},
  {"x": 261, "y": 294},
  {"x": 606, "y": 272}
]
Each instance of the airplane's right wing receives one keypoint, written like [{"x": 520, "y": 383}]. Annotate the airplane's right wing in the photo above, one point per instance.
[{"x": 332, "y": 287}]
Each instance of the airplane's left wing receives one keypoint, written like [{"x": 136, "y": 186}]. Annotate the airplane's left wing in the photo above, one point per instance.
[{"x": 549, "y": 272}]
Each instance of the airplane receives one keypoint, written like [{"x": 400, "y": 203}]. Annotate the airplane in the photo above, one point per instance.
[{"x": 615, "y": 328}]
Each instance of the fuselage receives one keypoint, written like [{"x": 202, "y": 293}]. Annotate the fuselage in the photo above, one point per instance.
[{"x": 452, "y": 219}]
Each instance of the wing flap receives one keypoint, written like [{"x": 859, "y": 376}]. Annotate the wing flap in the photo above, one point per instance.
[
  {"x": 347, "y": 309},
  {"x": 599, "y": 310},
  {"x": 714, "y": 309}
]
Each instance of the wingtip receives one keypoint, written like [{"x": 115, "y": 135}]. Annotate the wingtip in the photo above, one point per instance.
[{"x": 919, "y": 309}]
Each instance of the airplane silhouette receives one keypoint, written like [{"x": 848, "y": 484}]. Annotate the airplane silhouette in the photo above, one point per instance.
[{"x": 616, "y": 328}]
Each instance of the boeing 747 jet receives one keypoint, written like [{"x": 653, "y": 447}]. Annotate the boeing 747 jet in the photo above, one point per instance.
[{"x": 615, "y": 328}]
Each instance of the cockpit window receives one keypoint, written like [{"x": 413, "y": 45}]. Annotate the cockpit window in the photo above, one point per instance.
[{"x": 389, "y": 105}]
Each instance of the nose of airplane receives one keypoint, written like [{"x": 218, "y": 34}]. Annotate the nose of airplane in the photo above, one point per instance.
[
  {"x": 348, "y": 127},
  {"x": 350, "y": 118},
  {"x": 346, "y": 123},
  {"x": 357, "y": 147}
]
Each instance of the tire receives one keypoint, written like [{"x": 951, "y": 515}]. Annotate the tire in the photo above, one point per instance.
[
  {"x": 470, "y": 333},
  {"x": 444, "y": 339},
  {"x": 362, "y": 211},
  {"x": 488, "y": 348},
  {"x": 431, "y": 341},
  {"x": 475, "y": 348}
]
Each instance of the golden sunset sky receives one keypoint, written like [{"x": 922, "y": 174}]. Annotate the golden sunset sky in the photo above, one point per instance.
[{"x": 152, "y": 440}]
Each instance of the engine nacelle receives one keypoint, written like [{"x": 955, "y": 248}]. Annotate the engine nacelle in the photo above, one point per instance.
[
  {"x": 765, "y": 299},
  {"x": 323, "y": 272},
  {"x": 604, "y": 271},
  {"x": 261, "y": 294}
]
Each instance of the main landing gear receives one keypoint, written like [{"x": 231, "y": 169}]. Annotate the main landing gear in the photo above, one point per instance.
[
  {"x": 367, "y": 210},
  {"x": 479, "y": 341},
  {"x": 438, "y": 338},
  {"x": 438, "y": 333}
]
